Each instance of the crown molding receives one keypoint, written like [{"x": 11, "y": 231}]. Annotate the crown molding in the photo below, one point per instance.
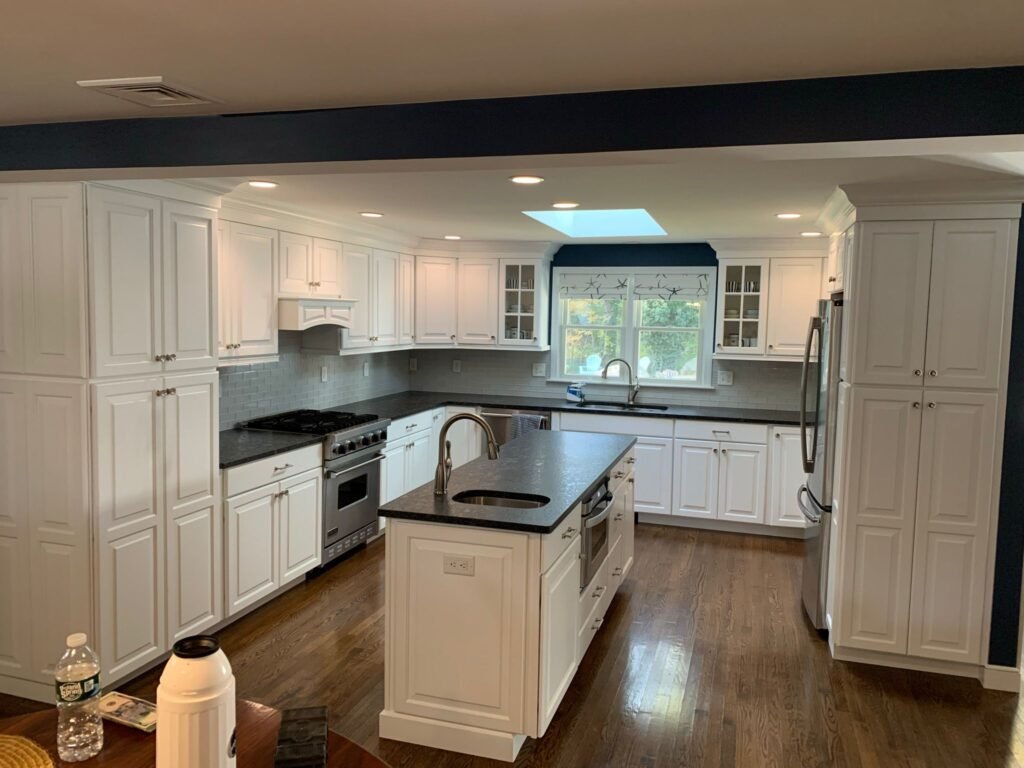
[
  {"x": 838, "y": 213},
  {"x": 172, "y": 190},
  {"x": 526, "y": 249},
  {"x": 770, "y": 246}
]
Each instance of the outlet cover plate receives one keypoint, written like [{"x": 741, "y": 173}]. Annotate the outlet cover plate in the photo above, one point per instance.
[
  {"x": 323, "y": 374},
  {"x": 413, "y": 365},
  {"x": 540, "y": 369},
  {"x": 725, "y": 378},
  {"x": 456, "y": 366},
  {"x": 460, "y": 565},
  {"x": 366, "y": 368}
]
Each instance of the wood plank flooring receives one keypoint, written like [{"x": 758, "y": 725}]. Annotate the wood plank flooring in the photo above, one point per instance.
[{"x": 705, "y": 659}]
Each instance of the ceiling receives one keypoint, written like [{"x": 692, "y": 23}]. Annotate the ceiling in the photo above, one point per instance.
[
  {"x": 324, "y": 53},
  {"x": 695, "y": 195}
]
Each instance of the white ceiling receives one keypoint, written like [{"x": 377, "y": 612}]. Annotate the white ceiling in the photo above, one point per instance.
[
  {"x": 326, "y": 53},
  {"x": 694, "y": 194}
]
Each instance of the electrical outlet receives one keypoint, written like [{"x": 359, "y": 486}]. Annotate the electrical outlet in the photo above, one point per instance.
[
  {"x": 412, "y": 365},
  {"x": 323, "y": 374},
  {"x": 456, "y": 366},
  {"x": 725, "y": 378},
  {"x": 540, "y": 369},
  {"x": 459, "y": 565},
  {"x": 366, "y": 368}
]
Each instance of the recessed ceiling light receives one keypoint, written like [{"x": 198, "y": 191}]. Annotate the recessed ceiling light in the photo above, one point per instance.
[
  {"x": 526, "y": 179},
  {"x": 453, "y": 237},
  {"x": 263, "y": 184},
  {"x": 787, "y": 215},
  {"x": 371, "y": 214},
  {"x": 566, "y": 205},
  {"x": 810, "y": 234}
]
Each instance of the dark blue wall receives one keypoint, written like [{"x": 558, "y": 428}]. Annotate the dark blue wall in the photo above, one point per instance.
[{"x": 636, "y": 255}]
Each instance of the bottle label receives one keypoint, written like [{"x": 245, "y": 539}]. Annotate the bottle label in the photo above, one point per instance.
[{"x": 79, "y": 690}]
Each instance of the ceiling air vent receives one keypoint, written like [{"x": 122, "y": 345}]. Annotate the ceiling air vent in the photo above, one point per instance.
[{"x": 147, "y": 91}]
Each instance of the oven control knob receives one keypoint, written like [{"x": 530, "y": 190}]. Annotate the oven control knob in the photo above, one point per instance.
[
  {"x": 361, "y": 441},
  {"x": 345, "y": 447},
  {"x": 375, "y": 437}
]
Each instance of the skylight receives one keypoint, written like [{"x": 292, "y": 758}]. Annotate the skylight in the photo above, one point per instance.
[{"x": 620, "y": 222}]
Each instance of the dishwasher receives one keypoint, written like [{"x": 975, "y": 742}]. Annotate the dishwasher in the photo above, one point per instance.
[{"x": 509, "y": 423}]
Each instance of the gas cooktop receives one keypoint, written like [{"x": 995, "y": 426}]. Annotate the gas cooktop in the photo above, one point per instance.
[{"x": 310, "y": 422}]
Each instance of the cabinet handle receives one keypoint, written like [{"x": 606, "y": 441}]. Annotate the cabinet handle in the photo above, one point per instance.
[
  {"x": 617, "y": 572},
  {"x": 282, "y": 469},
  {"x": 597, "y": 624},
  {"x": 453, "y": 337},
  {"x": 931, "y": 405},
  {"x": 933, "y": 373},
  {"x": 160, "y": 392},
  {"x": 631, "y": 481},
  {"x": 619, "y": 474},
  {"x": 534, "y": 338},
  {"x": 719, "y": 346},
  {"x": 171, "y": 391},
  {"x": 599, "y": 590},
  {"x": 494, "y": 338},
  {"x": 777, "y": 435},
  {"x": 173, "y": 356},
  {"x": 159, "y": 358},
  {"x": 618, "y": 517},
  {"x": 569, "y": 533},
  {"x": 831, "y": 279},
  {"x": 917, "y": 371},
  {"x": 724, "y": 451},
  {"x": 631, "y": 460},
  {"x": 916, "y": 405}
]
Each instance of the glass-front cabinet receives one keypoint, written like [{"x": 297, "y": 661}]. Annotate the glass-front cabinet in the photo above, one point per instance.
[
  {"x": 523, "y": 303},
  {"x": 742, "y": 306}
]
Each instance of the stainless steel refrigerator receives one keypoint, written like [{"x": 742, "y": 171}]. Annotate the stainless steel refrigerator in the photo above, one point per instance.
[{"x": 819, "y": 394}]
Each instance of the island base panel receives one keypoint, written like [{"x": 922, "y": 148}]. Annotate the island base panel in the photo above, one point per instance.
[{"x": 467, "y": 739}]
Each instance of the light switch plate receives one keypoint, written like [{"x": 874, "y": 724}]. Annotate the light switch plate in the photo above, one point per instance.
[
  {"x": 540, "y": 369},
  {"x": 725, "y": 378},
  {"x": 412, "y": 365},
  {"x": 460, "y": 565},
  {"x": 366, "y": 368},
  {"x": 456, "y": 366}
]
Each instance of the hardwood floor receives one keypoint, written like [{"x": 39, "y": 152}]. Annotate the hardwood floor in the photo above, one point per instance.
[{"x": 705, "y": 659}]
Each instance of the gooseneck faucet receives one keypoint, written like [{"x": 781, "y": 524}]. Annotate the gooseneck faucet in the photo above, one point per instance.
[
  {"x": 444, "y": 450},
  {"x": 634, "y": 388}
]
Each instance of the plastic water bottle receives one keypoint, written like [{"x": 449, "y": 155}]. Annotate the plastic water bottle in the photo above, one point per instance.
[{"x": 79, "y": 726}]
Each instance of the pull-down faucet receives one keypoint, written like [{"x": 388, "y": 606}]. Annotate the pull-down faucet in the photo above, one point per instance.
[
  {"x": 444, "y": 450},
  {"x": 634, "y": 389}
]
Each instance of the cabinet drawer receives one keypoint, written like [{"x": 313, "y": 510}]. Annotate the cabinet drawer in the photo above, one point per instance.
[
  {"x": 271, "y": 469},
  {"x": 722, "y": 431},
  {"x": 553, "y": 544},
  {"x": 618, "y": 474},
  {"x": 408, "y": 425},
  {"x": 616, "y": 425},
  {"x": 594, "y": 600}
]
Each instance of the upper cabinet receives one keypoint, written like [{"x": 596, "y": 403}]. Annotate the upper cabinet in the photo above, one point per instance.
[
  {"x": 436, "y": 280},
  {"x": 742, "y": 289},
  {"x": 478, "y": 301},
  {"x": 793, "y": 289},
  {"x": 153, "y": 281},
  {"x": 406, "y": 299},
  {"x": 371, "y": 277},
  {"x": 309, "y": 267},
  {"x": 524, "y": 303},
  {"x": 248, "y": 306},
  {"x": 934, "y": 306}
]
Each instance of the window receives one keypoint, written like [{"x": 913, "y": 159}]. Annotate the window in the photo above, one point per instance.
[{"x": 656, "y": 319}]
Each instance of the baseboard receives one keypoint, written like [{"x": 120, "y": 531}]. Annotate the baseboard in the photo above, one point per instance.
[
  {"x": 1001, "y": 678},
  {"x": 27, "y": 689},
  {"x": 991, "y": 677},
  {"x": 724, "y": 526},
  {"x": 453, "y": 737}
]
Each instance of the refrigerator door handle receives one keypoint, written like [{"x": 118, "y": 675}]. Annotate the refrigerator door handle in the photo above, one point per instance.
[
  {"x": 811, "y": 515},
  {"x": 814, "y": 327}
]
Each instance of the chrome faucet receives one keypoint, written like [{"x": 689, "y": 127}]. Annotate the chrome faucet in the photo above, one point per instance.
[
  {"x": 634, "y": 388},
  {"x": 444, "y": 450}
]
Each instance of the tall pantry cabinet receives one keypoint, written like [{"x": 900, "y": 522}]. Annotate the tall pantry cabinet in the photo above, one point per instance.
[
  {"x": 927, "y": 322},
  {"x": 108, "y": 352}
]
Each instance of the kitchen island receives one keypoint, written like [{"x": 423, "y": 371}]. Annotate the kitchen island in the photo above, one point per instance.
[{"x": 487, "y": 617}]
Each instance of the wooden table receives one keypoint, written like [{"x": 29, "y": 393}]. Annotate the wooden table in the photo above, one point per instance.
[{"x": 125, "y": 747}]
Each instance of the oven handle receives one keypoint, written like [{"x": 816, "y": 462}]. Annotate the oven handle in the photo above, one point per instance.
[
  {"x": 335, "y": 475},
  {"x": 595, "y": 520}
]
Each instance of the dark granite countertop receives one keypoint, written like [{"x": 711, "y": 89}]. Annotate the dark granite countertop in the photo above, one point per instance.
[
  {"x": 408, "y": 403},
  {"x": 559, "y": 465},
  {"x": 240, "y": 446}
]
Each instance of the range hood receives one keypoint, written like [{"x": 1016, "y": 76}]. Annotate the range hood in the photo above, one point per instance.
[{"x": 301, "y": 314}]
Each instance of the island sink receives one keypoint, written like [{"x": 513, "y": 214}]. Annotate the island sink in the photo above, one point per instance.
[{"x": 502, "y": 499}]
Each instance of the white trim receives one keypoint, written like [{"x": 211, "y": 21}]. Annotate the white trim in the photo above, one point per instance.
[
  {"x": 1001, "y": 678},
  {"x": 165, "y": 190},
  {"x": 914, "y": 663},
  {"x": 505, "y": 249},
  {"x": 466, "y": 739},
  {"x": 929, "y": 193},
  {"x": 725, "y": 526},
  {"x": 939, "y": 212},
  {"x": 234, "y": 362},
  {"x": 770, "y": 247},
  {"x": 838, "y": 214}
]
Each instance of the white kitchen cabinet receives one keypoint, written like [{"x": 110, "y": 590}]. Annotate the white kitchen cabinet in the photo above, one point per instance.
[
  {"x": 742, "y": 305},
  {"x": 406, "y": 299},
  {"x": 653, "y": 473},
  {"x": 43, "y": 317},
  {"x": 253, "y": 549},
  {"x": 15, "y": 546},
  {"x": 248, "y": 302},
  {"x": 787, "y": 475},
  {"x": 392, "y": 472},
  {"x": 191, "y": 441},
  {"x": 478, "y": 301},
  {"x": 295, "y": 265},
  {"x": 327, "y": 268},
  {"x": 385, "y": 300},
  {"x": 793, "y": 289},
  {"x": 524, "y": 303},
  {"x": 194, "y": 572},
  {"x": 559, "y": 594},
  {"x": 696, "y": 478},
  {"x": 466, "y": 437},
  {"x": 952, "y": 527},
  {"x": 742, "y": 474},
  {"x": 356, "y": 277},
  {"x": 436, "y": 300},
  {"x": 299, "y": 511},
  {"x": 410, "y": 459},
  {"x": 834, "y": 264}
]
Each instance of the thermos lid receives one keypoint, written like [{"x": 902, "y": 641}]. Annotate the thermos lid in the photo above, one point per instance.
[{"x": 196, "y": 647}]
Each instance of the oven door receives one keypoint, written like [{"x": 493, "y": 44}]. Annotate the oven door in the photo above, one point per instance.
[
  {"x": 596, "y": 538},
  {"x": 351, "y": 497}
]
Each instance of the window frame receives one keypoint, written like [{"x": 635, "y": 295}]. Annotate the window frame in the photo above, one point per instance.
[{"x": 631, "y": 327}]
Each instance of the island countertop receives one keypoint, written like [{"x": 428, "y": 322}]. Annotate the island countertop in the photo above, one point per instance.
[{"x": 559, "y": 465}]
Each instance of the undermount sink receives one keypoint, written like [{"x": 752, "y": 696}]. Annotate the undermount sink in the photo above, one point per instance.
[
  {"x": 621, "y": 406},
  {"x": 501, "y": 499}
]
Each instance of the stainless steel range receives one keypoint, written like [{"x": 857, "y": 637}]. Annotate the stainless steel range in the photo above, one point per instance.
[{"x": 352, "y": 446}]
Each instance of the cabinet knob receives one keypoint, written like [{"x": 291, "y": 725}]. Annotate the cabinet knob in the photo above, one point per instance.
[
  {"x": 917, "y": 371},
  {"x": 724, "y": 451},
  {"x": 831, "y": 279},
  {"x": 714, "y": 450},
  {"x": 617, "y": 572},
  {"x": 569, "y": 533},
  {"x": 453, "y": 337},
  {"x": 719, "y": 346},
  {"x": 159, "y": 358},
  {"x": 916, "y": 405},
  {"x": 931, "y": 405},
  {"x": 771, "y": 346},
  {"x": 933, "y": 373},
  {"x": 631, "y": 481},
  {"x": 534, "y": 338},
  {"x": 618, "y": 517},
  {"x": 631, "y": 460}
]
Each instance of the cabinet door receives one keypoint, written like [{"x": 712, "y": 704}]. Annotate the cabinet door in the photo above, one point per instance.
[
  {"x": 385, "y": 298},
  {"x": 356, "y": 279},
  {"x": 189, "y": 286},
  {"x": 954, "y": 515},
  {"x": 836, "y": 244},
  {"x": 252, "y": 550},
  {"x": 970, "y": 292},
  {"x": 559, "y": 594},
  {"x": 12, "y": 350},
  {"x": 628, "y": 529},
  {"x": 435, "y": 300},
  {"x": 696, "y": 478},
  {"x": 653, "y": 474},
  {"x": 478, "y": 301},
  {"x": 465, "y": 436},
  {"x": 742, "y": 477},
  {"x": 787, "y": 475},
  {"x": 884, "y": 431},
  {"x": 194, "y": 567},
  {"x": 225, "y": 291},
  {"x": 253, "y": 261},
  {"x": 406, "y": 299},
  {"x": 127, "y": 298},
  {"x": 300, "y": 523},
  {"x": 421, "y": 461},
  {"x": 742, "y": 306},
  {"x": 392, "y": 472},
  {"x": 889, "y": 319},
  {"x": 792, "y": 300},
  {"x": 191, "y": 441},
  {"x": 295, "y": 265},
  {"x": 327, "y": 269},
  {"x": 15, "y": 604},
  {"x": 51, "y": 242}
]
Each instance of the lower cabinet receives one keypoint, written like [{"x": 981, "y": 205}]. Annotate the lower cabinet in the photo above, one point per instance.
[
  {"x": 195, "y": 586},
  {"x": 786, "y": 475},
  {"x": 466, "y": 437},
  {"x": 273, "y": 537},
  {"x": 719, "y": 480},
  {"x": 409, "y": 462},
  {"x": 653, "y": 473},
  {"x": 559, "y": 594}
]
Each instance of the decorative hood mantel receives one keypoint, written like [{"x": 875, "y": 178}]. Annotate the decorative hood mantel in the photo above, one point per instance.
[{"x": 300, "y": 314}]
